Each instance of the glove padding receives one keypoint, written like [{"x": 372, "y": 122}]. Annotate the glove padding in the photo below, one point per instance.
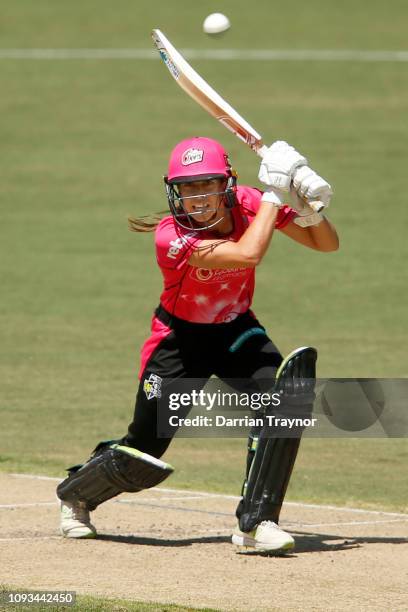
[
  {"x": 311, "y": 187},
  {"x": 274, "y": 197},
  {"x": 306, "y": 216},
  {"x": 279, "y": 164}
]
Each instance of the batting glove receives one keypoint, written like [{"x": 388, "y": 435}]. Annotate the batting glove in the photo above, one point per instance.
[
  {"x": 279, "y": 165},
  {"x": 311, "y": 187},
  {"x": 306, "y": 216},
  {"x": 274, "y": 197}
]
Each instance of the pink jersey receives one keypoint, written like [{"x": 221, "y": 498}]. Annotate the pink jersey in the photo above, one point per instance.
[{"x": 208, "y": 296}]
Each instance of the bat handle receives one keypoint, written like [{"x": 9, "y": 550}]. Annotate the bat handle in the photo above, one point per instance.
[
  {"x": 261, "y": 151},
  {"x": 317, "y": 206}
]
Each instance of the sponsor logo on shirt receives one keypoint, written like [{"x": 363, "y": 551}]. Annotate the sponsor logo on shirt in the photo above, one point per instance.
[
  {"x": 192, "y": 156},
  {"x": 176, "y": 245},
  {"x": 217, "y": 276}
]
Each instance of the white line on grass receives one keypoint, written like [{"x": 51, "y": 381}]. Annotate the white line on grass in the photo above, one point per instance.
[
  {"x": 200, "y": 494},
  {"x": 341, "y": 524},
  {"x": 5, "y": 506},
  {"x": 204, "y": 495},
  {"x": 37, "y": 477},
  {"x": 30, "y": 538},
  {"x": 174, "y": 497},
  {"x": 134, "y": 502},
  {"x": 211, "y": 54},
  {"x": 147, "y": 502},
  {"x": 292, "y": 524},
  {"x": 346, "y": 509}
]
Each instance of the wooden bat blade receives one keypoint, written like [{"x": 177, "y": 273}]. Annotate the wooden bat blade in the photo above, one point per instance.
[{"x": 204, "y": 94}]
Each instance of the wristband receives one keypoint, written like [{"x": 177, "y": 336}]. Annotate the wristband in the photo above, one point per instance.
[{"x": 272, "y": 197}]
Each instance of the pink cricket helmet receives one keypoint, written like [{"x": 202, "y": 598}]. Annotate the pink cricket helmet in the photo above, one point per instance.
[{"x": 197, "y": 159}]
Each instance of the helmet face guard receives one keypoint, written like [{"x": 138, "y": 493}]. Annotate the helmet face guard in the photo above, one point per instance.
[
  {"x": 186, "y": 219},
  {"x": 198, "y": 159}
]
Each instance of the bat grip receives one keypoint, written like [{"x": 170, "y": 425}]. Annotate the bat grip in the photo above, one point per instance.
[
  {"x": 262, "y": 151},
  {"x": 316, "y": 206}
]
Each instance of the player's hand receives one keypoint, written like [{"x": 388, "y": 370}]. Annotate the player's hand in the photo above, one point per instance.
[
  {"x": 306, "y": 216},
  {"x": 279, "y": 164},
  {"x": 311, "y": 187}
]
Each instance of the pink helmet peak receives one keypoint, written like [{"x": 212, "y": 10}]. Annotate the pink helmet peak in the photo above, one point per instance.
[{"x": 198, "y": 158}]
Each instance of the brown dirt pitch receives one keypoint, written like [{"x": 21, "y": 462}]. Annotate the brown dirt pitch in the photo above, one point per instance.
[{"x": 165, "y": 546}]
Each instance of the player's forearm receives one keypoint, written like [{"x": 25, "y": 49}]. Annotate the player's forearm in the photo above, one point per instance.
[
  {"x": 324, "y": 236},
  {"x": 254, "y": 243},
  {"x": 247, "y": 252}
]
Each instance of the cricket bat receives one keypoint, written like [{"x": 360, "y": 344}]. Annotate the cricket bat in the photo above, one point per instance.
[{"x": 198, "y": 89}]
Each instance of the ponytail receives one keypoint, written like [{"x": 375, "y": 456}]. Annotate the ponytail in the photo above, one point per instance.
[{"x": 147, "y": 223}]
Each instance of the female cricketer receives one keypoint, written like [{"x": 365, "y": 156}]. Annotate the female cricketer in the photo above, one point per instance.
[{"x": 207, "y": 249}]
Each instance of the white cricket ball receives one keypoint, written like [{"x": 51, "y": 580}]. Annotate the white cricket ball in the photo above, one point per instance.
[{"x": 216, "y": 23}]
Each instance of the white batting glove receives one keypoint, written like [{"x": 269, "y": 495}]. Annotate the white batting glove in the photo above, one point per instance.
[
  {"x": 306, "y": 216},
  {"x": 279, "y": 164},
  {"x": 311, "y": 187},
  {"x": 274, "y": 197}
]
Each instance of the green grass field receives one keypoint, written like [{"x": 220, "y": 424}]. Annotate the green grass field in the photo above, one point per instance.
[
  {"x": 94, "y": 604},
  {"x": 85, "y": 143}
]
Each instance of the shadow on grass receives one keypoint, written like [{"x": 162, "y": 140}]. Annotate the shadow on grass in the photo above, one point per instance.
[
  {"x": 147, "y": 541},
  {"x": 305, "y": 542},
  {"x": 323, "y": 542}
]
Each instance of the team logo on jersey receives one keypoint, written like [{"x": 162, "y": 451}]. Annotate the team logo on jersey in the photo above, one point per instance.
[
  {"x": 152, "y": 386},
  {"x": 217, "y": 276},
  {"x": 203, "y": 274},
  {"x": 192, "y": 156}
]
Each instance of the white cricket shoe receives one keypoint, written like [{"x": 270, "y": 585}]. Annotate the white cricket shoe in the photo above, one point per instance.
[
  {"x": 75, "y": 521},
  {"x": 267, "y": 536}
]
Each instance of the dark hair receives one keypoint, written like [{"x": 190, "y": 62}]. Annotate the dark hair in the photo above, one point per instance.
[{"x": 147, "y": 223}]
